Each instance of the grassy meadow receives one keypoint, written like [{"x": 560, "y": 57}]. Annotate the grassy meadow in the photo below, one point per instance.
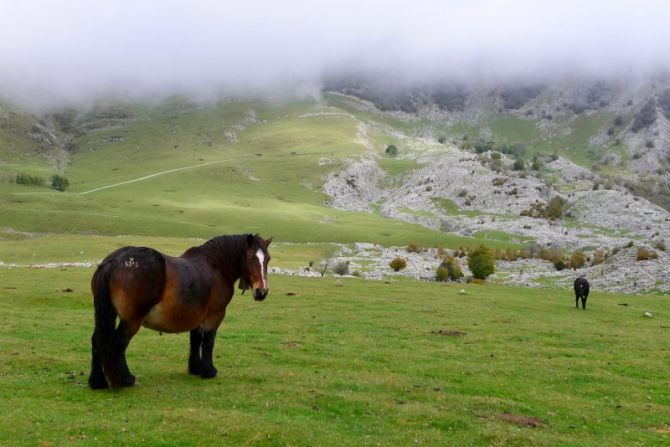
[
  {"x": 356, "y": 362},
  {"x": 363, "y": 363}
]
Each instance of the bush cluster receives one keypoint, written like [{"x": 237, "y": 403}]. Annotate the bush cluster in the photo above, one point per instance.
[
  {"x": 27, "y": 179},
  {"x": 449, "y": 270},
  {"x": 644, "y": 254},
  {"x": 645, "y": 117}
]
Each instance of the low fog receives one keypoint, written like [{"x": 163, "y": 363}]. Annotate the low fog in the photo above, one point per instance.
[{"x": 53, "y": 53}]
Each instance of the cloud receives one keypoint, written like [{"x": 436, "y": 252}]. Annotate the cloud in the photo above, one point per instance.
[{"x": 76, "y": 50}]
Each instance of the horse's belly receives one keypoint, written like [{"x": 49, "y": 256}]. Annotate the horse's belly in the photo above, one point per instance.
[{"x": 164, "y": 319}]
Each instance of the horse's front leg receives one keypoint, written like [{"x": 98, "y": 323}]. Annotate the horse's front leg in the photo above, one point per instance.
[
  {"x": 194, "y": 357},
  {"x": 207, "y": 366}
]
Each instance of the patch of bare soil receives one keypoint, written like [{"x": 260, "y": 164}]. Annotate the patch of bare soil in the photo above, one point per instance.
[{"x": 520, "y": 420}]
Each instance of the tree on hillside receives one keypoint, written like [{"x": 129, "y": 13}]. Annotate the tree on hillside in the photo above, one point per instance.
[
  {"x": 481, "y": 262},
  {"x": 59, "y": 182},
  {"x": 391, "y": 150},
  {"x": 519, "y": 164},
  {"x": 555, "y": 208}
]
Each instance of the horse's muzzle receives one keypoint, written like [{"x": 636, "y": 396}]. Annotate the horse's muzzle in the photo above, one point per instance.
[{"x": 260, "y": 294}]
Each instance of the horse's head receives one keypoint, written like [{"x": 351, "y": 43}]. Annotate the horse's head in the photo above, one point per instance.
[{"x": 255, "y": 269}]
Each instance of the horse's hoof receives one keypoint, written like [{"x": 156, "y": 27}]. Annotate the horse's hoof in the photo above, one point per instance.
[
  {"x": 129, "y": 380},
  {"x": 195, "y": 369},
  {"x": 97, "y": 382},
  {"x": 208, "y": 373}
]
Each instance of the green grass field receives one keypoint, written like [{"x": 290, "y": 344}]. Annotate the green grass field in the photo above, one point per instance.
[{"x": 366, "y": 363}]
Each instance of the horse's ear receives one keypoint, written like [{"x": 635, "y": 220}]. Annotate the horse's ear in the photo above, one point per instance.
[
  {"x": 250, "y": 239},
  {"x": 267, "y": 241}
]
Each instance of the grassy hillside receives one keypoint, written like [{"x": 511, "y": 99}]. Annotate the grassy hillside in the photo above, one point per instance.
[
  {"x": 365, "y": 363},
  {"x": 180, "y": 170}
]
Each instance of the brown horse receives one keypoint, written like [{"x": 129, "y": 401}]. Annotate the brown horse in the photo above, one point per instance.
[{"x": 143, "y": 287}]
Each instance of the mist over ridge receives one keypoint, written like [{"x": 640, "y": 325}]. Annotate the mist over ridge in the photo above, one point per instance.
[{"x": 77, "y": 51}]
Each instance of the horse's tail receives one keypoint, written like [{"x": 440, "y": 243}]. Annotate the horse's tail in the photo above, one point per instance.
[{"x": 105, "y": 321}]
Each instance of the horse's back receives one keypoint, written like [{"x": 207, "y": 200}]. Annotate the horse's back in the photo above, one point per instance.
[{"x": 136, "y": 279}]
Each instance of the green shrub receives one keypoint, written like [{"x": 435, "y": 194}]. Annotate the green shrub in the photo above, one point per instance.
[
  {"x": 481, "y": 262},
  {"x": 642, "y": 254},
  {"x": 441, "y": 139},
  {"x": 549, "y": 254},
  {"x": 341, "y": 268},
  {"x": 454, "y": 269},
  {"x": 555, "y": 208},
  {"x": 559, "y": 265},
  {"x": 398, "y": 264},
  {"x": 483, "y": 146},
  {"x": 577, "y": 260},
  {"x": 442, "y": 274},
  {"x": 598, "y": 257},
  {"x": 59, "y": 182},
  {"x": 391, "y": 150},
  {"x": 449, "y": 269},
  {"x": 412, "y": 248},
  {"x": 537, "y": 164}
]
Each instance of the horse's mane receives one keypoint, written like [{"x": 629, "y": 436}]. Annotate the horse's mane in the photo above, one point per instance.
[{"x": 226, "y": 253}]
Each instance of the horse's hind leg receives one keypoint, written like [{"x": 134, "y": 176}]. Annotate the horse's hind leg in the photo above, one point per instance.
[
  {"x": 96, "y": 380},
  {"x": 208, "y": 371},
  {"x": 194, "y": 357},
  {"x": 124, "y": 333}
]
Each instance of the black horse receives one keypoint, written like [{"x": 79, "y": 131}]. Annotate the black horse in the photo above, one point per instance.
[
  {"x": 140, "y": 286},
  {"x": 581, "y": 291}
]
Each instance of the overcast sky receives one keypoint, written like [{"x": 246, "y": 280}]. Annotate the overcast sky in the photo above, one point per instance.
[{"x": 53, "y": 51}]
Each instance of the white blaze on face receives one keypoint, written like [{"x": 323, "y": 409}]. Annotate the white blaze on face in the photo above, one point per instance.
[{"x": 261, "y": 259}]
